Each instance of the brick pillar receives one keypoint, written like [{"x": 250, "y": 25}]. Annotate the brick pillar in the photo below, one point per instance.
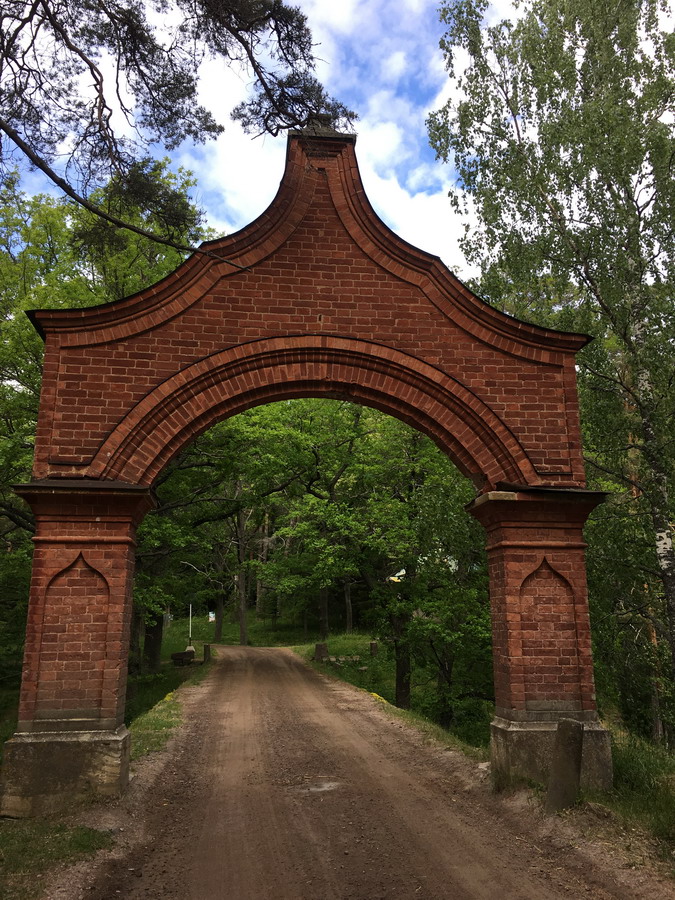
[
  {"x": 543, "y": 668},
  {"x": 71, "y": 739}
]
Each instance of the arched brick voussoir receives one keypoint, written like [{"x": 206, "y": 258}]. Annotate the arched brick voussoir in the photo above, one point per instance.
[{"x": 233, "y": 380}]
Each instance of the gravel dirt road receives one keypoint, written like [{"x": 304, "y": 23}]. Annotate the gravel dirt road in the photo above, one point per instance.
[{"x": 283, "y": 783}]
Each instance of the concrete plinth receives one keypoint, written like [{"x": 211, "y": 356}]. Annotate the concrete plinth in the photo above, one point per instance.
[
  {"x": 45, "y": 772},
  {"x": 524, "y": 750}
]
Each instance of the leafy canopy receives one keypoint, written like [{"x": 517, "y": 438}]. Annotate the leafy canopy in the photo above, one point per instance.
[{"x": 88, "y": 87}]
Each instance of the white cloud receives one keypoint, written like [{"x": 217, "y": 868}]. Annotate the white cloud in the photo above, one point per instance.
[
  {"x": 381, "y": 57},
  {"x": 394, "y": 66}
]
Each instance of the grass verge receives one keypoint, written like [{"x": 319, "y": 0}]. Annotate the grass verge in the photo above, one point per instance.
[
  {"x": 644, "y": 774},
  {"x": 28, "y": 848},
  {"x": 644, "y": 788},
  {"x": 154, "y": 710},
  {"x": 151, "y": 730}
]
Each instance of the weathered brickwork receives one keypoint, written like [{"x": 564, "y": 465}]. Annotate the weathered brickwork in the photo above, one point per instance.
[
  {"x": 316, "y": 298},
  {"x": 319, "y": 264},
  {"x": 77, "y": 638},
  {"x": 541, "y": 632}
]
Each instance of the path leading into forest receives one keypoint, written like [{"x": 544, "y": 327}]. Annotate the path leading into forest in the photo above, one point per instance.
[{"x": 286, "y": 784}]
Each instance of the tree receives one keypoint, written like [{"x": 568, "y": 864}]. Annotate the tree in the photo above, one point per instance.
[
  {"x": 72, "y": 70},
  {"x": 562, "y": 130},
  {"x": 423, "y": 561}
]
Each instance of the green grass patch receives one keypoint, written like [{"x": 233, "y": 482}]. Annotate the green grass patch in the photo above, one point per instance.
[
  {"x": 265, "y": 632},
  {"x": 146, "y": 690},
  {"x": 28, "y": 848},
  {"x": 152, "y": 730},
  {"x": 153, "y": 710},
  {"x": 644, "y": 787}
]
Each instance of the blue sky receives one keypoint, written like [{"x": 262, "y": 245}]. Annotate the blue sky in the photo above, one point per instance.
[{"x": 381, "y": 58}]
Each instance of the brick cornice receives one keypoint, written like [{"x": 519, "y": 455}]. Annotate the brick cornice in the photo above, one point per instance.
[{"x": 68, "y": 499}]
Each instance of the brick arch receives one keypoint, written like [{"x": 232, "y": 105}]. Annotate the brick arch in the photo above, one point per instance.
[
  {"x": 316, "y": 298},
  {"x": 264, "y": 371}
]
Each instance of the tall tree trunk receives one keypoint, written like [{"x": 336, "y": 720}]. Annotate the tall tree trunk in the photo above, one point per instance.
[
  {"x": 349, "y": 621},
  {"x": 220, "y": 610},
  {"x": 243, "y": 622},
  {"x": 323, "y": 613},
  {"x": 403, "y": 672},
  {"x": 399, "y": 624},
  {"x": 658, "y": 732},
  {"x": 137, "y": 631},
  {"x": 657, "y": 492},
  {"x": 262, "y": 556},
  {"x": 152, "y": 647},
  {"x": 665, "y": 554},
  {"x": 241, "y": 574},
  {"x": 445, "y": 662}
]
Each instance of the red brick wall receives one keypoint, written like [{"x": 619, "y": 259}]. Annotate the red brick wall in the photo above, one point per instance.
[
  {"x": 315, "y": 298},
  {"x": 319, "y": 265},
  {"x": 540, "y": 626},
  {"x": 77, "y": 636}
]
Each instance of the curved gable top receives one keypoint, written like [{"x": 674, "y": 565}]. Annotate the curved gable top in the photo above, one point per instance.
[
  {"x": 233, "y": 256},
  {"x": 316, "y": 273}
]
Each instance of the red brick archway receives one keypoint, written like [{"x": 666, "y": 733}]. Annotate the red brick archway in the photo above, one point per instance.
[{"x": 315, "y": 298}]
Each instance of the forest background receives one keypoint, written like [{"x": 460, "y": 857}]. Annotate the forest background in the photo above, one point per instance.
[{"x": 333, "y": 517}]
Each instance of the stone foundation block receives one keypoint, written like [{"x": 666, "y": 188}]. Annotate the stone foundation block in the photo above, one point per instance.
[
  {"x": 524, "y": 750},
  {"x": 45, "y": 772}
]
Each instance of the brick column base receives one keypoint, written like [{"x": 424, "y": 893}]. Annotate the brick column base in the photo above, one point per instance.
[
  {"x": 43, "y": 773},
  {"x": 523, "y": 750},
  {"x": 71, "y": 741},
  {"x": 543, "y": 667}
]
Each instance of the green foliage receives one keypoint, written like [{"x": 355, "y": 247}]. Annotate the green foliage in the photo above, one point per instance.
[
  {"x": 470, "y": 725},
  {"x": 644, "y": 785},
  {"x": 70, "y": 72},
  {"x": 561, "y": 127},
  {"x": 334, "y": 516},
  {"x": 54, "y": 254}
]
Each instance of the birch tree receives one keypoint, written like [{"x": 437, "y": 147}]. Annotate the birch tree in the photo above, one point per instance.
[{"x": 561, "y": 126}]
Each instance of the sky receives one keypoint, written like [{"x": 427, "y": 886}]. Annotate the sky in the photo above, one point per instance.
[{"x": 381, "y": 58}]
